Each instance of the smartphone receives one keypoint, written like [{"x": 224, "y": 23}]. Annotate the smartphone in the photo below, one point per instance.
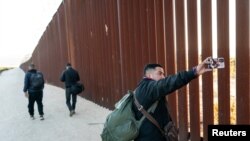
[{"x": 216, "y": 63}]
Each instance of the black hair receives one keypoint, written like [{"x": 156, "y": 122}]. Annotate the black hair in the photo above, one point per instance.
[
  {"x": 151, "y": 66},
  {"x": 32, "y": 65},
  {"x": 68, "y": 64}
]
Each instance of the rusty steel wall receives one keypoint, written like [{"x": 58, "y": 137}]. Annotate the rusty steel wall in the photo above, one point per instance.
[
  {"x": 242, "y": 62},
  {"x": 110, "y": 41},
  {"x": 207, "y": 79}
]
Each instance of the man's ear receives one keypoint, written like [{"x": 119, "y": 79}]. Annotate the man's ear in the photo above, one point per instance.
[{"x": 149, "y": 75}]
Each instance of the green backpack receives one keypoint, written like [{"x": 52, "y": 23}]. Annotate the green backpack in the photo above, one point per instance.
[{"x": 121, "y": 124}]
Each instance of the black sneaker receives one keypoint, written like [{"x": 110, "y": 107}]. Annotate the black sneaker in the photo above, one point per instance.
[
  {"x": 32, "y": 117},
  {"x": 41, "y": 117}
]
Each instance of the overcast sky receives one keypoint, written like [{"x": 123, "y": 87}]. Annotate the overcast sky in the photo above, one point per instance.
[{"x": 22, "y": 23}]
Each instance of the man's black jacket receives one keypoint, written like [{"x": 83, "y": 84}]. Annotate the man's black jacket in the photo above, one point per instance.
[
  {"x": 149, "y": 91},
  {"x": 70, "y": 77}
]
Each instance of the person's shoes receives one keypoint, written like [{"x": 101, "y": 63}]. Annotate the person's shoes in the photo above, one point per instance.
[
  {"x": 32, "y": 117},
  {"x": 71, "y": 113},
  {"x": 41, "y": 117},
  {"x": 74, "y": 112}
]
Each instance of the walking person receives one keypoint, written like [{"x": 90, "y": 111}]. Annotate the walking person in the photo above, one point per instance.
[
  {"x": 33, "y": 90},
  {"x": 154, "y": 87},
  {"x": 70, "y": 77}
]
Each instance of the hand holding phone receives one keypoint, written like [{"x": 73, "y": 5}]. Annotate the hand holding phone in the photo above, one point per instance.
[{"x": 215, "y": 63}]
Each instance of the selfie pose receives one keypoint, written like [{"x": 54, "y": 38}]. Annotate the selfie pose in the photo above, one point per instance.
[{"x": 154, "y": 87}]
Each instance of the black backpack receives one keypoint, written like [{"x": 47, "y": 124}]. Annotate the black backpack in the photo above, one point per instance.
[{"x": 37, "y": 81}]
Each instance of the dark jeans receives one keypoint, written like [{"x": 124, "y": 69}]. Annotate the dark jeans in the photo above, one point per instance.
[
  {"x": 68, "y": 99},
  {"x": 35, "y": 97}
]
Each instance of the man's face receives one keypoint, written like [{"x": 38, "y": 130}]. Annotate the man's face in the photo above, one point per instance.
[{"x": 157, "y": 74}]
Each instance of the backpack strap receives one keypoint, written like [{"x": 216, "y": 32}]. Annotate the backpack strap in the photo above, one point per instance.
[
  {"x": 150, "y": 109},
  {"x": 147, "y": 115}
]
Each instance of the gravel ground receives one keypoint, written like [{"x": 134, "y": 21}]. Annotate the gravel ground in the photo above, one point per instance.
[{"x": 16, "y": 125}]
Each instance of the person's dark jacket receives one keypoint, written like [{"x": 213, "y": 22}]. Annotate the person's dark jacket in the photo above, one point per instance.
[
  {"x": 27, "y": 83},
  {"x": 149, "y": 91},
  {"x": 70, "y": 76}
]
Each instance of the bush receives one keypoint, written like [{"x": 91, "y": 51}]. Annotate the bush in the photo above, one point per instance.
[{"x": 4, "y": 69}]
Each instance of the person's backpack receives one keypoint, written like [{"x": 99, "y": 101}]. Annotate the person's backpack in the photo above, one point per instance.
[
  {"x": 37, "y": 81},
  {"x": 121, "y": 124},
  {"x": 77, "y": 88}
]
